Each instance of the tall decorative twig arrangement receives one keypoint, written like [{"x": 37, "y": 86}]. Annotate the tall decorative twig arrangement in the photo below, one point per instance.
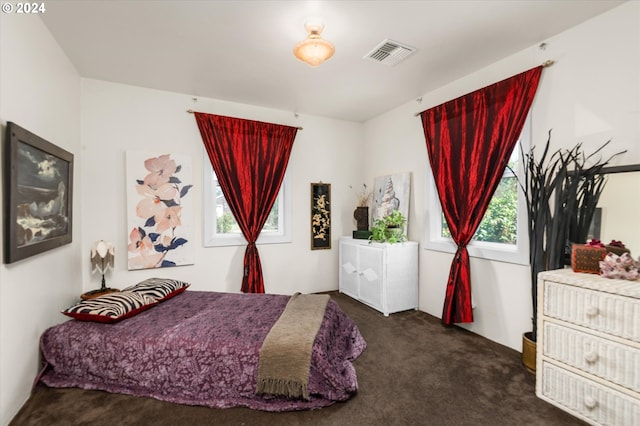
[
  {"x": 587, "y": 197},
  {"x": 561, "y": 194}
]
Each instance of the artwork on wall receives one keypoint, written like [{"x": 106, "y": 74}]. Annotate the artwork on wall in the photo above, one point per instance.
[
  {"x": 391, "y": 192},
  {"x": 320, "y": 216},
  {"x": 159, "y": 210},
  {"x": 38, "y": 194}
]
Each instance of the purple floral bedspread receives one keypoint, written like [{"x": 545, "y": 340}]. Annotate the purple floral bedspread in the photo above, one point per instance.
[{"x": 199, "y": 348}]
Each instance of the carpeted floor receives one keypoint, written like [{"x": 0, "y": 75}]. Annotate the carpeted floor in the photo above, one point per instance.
[{"x": 414, "y": 372}]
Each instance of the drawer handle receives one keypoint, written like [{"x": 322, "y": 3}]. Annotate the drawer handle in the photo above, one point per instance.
[
  {"x": 592, "y": 311},
  {"x": 591, "y": 357},
  {"x": 590, "y": 402}
]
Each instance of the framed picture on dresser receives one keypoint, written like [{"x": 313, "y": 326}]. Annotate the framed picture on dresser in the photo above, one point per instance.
[{"x": 38, "y": 194}]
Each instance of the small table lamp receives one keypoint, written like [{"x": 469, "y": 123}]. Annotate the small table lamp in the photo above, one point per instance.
[{"x": 102, "y": 254}]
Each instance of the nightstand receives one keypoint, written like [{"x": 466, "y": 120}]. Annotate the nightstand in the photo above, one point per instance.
[{"x": 99, "y": 292}]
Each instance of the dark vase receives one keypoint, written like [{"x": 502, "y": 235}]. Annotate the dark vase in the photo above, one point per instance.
[{"x": 361, "y": 215}]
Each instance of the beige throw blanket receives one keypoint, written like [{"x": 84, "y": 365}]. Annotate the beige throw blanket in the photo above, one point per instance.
[{"x": 285, "y": 356}]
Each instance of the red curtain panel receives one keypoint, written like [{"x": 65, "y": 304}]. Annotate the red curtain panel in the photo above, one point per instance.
[
  {"x": 469, "y": 142},
  {"x": 249, "y": 159}
]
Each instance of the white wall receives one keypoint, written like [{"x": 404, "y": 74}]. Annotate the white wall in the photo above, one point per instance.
[
  {"x": 117, "y": 118},
  {"x": 40, "y": 91},
  {"x": 590, "y": 95}
]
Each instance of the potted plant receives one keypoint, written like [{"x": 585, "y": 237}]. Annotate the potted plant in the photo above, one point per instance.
[
  {"x": 390, "y": 228},
  {"x": 556, "y": 192}
]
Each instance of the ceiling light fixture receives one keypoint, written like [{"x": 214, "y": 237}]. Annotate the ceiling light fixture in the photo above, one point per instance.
[{"x": 314, "y": 50}]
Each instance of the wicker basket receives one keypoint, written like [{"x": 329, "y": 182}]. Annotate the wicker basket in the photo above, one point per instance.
[{"x": 617, "y": 250}]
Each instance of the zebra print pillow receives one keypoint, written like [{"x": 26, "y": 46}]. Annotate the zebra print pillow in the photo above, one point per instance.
[
  {"x": 110, "y": 308},
  {"x": 160, "y": 289}
]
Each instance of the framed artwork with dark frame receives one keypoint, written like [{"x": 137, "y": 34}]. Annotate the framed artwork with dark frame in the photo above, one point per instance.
[
  {"x": 38, "y": 194},
  {"x": 320, "y": 216}
]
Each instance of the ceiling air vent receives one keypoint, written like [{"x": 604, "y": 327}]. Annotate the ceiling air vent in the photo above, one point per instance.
[{"x": 389, "y": 52}]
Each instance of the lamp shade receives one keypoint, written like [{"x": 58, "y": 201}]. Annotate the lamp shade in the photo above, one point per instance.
[
  {"x": 314, "y": 50},
  {"x": 102, "y": 256}
]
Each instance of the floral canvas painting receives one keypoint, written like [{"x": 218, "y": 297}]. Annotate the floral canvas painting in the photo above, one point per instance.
[{"x": 159, "y": 210}]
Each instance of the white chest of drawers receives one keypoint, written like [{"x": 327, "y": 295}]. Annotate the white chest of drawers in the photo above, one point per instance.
[
  {"x": 588, "y": 350},
  {"x": 381, "y": 275}
]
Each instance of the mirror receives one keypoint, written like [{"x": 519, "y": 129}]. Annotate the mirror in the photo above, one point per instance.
[{"x": 619, "y": 205}]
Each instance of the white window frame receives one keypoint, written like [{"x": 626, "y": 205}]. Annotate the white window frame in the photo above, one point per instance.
[
  {"x": 213, "y": 239},
  {"x": 511, "y": 253}
]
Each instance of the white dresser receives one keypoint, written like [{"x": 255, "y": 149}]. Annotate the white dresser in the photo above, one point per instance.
[
  {"x": 588, "y": 350},
  {"x": 382, "y": 275}
]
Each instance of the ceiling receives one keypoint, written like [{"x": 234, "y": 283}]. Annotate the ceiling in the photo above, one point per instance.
[{"x": 241, "y": 51}]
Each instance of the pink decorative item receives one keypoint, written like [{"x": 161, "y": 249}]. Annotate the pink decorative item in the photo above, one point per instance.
[{"x": 619, "y": 267}]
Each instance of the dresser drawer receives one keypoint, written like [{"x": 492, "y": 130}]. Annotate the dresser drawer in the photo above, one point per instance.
[
  {"x": 597, "y": 310},
  {"x": 604, "y": 358},
  {"x": 586, "y": 399}
]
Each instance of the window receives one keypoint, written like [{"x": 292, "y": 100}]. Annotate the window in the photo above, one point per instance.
[
  {"x": 502, "y": 234},
  {"x": 221, "y": 228}
]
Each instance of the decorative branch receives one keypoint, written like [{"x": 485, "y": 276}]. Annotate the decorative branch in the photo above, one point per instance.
[{"x": 561, "y": 195}]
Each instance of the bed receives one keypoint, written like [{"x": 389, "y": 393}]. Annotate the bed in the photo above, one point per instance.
[{"x": 200, "y": 348}]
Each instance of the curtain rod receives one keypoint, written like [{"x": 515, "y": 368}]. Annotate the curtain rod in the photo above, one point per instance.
[
  {"x": 545, "y": 64},
  {"x": 190, "y": 111}
]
